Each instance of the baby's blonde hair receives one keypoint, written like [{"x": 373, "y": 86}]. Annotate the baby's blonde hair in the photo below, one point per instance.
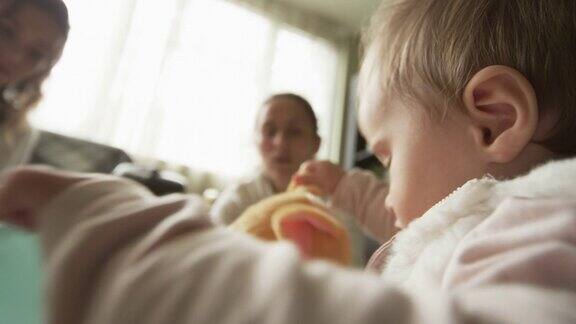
[{"x": 441, "y": 44}]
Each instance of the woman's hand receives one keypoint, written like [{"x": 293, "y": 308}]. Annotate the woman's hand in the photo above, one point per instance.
[
  {"x": 323, "y": 175},
  {"x": 24, "y": 191}
]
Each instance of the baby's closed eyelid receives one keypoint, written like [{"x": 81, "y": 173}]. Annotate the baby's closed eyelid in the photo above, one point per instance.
[
  {"x": 381, "y": 149},
  {"x": 386, "y": 162}
]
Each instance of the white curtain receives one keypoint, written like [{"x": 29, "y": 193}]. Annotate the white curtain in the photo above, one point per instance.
[{"x": 181, "y": 80}]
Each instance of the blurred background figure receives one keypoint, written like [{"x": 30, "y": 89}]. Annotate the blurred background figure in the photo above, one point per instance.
[
  {"x": 32, "y": 37},
  {"x": 286, "y": 135}
]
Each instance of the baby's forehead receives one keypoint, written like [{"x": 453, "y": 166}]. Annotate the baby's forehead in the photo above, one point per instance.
[
  {"x": 371, "y": 104},
  {"x": 370, "y": 113}
]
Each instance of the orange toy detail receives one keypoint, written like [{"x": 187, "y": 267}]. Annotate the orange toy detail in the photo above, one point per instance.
[{"x": 302, "y": 218}]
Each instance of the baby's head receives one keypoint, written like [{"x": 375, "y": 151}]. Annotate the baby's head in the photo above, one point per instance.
[
  {"x": 452, "y": 90},
  {"x": 32, "y": 36},
  {"x": 287, "y": 135}
]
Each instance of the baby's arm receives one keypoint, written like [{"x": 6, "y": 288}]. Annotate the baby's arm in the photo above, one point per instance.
[
  {"x": 120, "y": 255},
  {"x": 228, "y": 207},
  {"x": 359, "y": 193}
]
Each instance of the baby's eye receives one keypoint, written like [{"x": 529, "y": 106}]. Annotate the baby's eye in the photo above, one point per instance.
[
  {"x": 382, "y": 152},
  {"x": 386, "y": 162},
  {"x": 385, "y": 159}
]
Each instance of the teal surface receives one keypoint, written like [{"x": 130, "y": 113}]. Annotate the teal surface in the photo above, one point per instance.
[{"x": 20, "y": 278}]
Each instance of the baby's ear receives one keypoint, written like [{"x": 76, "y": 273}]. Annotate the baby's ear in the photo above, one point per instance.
[{"x": 504, "y": 111}]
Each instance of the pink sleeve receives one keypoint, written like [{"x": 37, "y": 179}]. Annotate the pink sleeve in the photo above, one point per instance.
[
  {"x": 119, "y": 255},
  {"x": 96, "y": 221},
  {"x": 525, "y": 241},
  {"x": 362, "y": 194}
]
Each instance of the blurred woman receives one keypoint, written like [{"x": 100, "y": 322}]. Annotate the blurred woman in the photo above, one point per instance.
[
  {"x": 32, "y": 37},
  {"x": 286, "y": 136}
]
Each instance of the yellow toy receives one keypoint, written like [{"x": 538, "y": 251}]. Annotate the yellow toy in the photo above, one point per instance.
[{"x": 298, "y": 215}]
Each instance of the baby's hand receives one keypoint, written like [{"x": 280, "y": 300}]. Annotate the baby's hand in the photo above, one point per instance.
[
  {"x": 324, "y": 175},
  {"x": 26, "y": 190}
]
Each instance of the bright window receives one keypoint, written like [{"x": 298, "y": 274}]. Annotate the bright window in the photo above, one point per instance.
[{"x": 182, "y": 80}]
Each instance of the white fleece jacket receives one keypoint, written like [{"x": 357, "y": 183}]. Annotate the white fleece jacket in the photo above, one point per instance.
[{"x": 492, "y": 252}]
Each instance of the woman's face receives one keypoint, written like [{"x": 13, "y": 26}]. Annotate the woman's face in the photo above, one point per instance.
[
  {"x": 30, "y": 41},
  {"x": 286, "y": 138}
]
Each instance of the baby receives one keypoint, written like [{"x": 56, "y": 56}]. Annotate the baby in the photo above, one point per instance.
[{"x": 468, "y": 103}]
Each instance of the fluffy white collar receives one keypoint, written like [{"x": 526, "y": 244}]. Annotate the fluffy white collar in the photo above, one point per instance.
[{"x": 423, "y": 249}]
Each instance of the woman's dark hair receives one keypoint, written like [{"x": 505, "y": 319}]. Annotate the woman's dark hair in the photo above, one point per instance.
[
  {"x": 299, "y": 100},
  {"x": 18, "y": 99},
  {"x": 55, "y": 8}
]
